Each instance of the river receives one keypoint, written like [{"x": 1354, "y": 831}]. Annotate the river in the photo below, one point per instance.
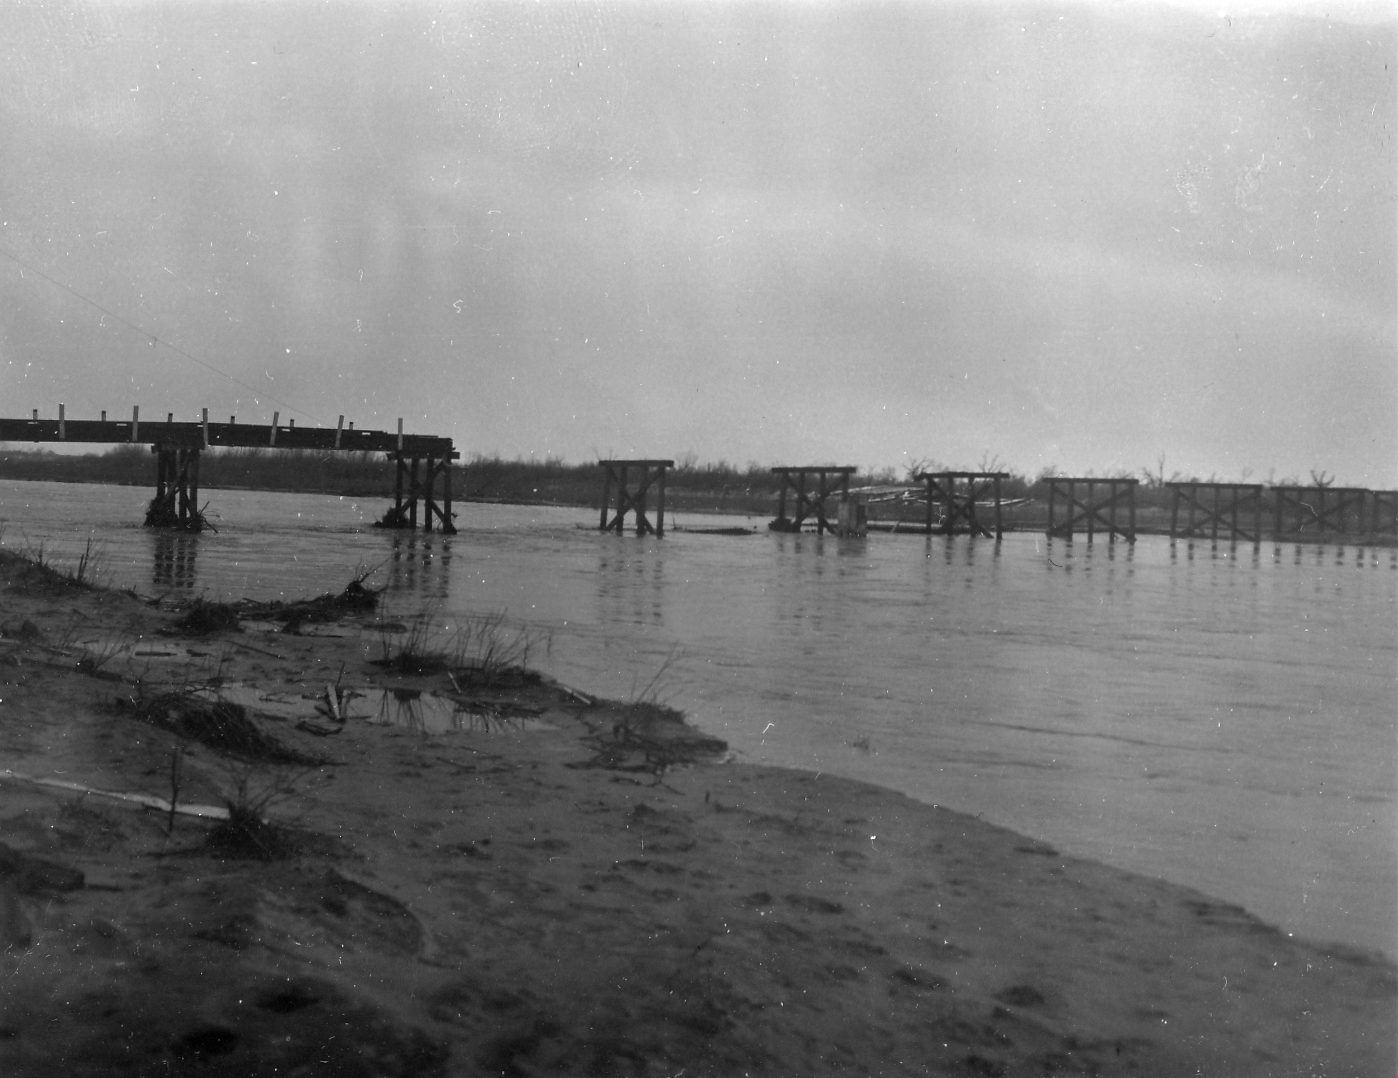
[{"x": 1223, "y": 717}]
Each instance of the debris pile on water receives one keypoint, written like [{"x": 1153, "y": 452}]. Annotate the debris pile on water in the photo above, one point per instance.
[{"x": 355, "y": 599}]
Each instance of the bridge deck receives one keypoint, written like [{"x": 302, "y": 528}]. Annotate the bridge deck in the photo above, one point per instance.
[{"x": 243, "y": 435}]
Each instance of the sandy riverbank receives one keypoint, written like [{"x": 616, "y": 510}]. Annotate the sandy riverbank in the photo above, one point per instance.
[{"x": 559, "y": 887}]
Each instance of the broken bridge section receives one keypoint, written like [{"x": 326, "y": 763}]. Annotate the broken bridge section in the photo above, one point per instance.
[
  {"x": 1106, "y": 503},
  {"x": 957, "y": 495},
  {"x": 178, "y": 446},
  {"x": 618, "y": 475},
  {"x": 810, "y": 497}
]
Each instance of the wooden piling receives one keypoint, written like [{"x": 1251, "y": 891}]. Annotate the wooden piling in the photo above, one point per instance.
[
  {"x": 429, "y": 504},
  {"x": 182, "y": 459},
  {"x": 660, "y": 506},
  {"x": 621, "y": 484},
  {"x": 413, "y": 493},
  {"x": 197, "y": 521},
  {"x": 448, "y": 525}
]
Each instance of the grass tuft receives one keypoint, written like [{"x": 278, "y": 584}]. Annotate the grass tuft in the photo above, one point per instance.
[
  {"x": 247, "y": 834},
  {"x": 222, "y": 725}
]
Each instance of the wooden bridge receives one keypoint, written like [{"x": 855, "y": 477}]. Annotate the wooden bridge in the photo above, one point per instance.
[
  {"x": 178, "y": 446},
  {"x": 1238, "y": 511}
]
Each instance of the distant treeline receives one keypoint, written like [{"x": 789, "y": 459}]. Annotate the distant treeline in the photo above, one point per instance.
[
  {"x": 719, "y": 487},
  {"x": 690, "y": 486}
]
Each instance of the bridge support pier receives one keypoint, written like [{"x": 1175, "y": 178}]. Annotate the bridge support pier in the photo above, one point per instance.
[
  {"x": 1093, "y": 509},
  {"x": 811, "y": 504},
  {"x": 1229, "y": 503},
  {"x": 176, "y": 501},
  {"x": 421, "y": 487},
  {"x": 617, "y": 473},
  {"x": 957, "y": 492}
]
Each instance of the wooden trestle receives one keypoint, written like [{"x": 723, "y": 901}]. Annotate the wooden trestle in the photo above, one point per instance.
[
  {"x": 1232, "y": 504},
  {"x": 404, "y": 511},
  {"x": 1384, "y": 512},
  {"x": 957, "y": 493},
  {"x": 1336, "y": 510},
  {"x": 810, "y": 504},
  {"x": 617, "y": 473},
  {"x": 1094, "y": 508},
  {"x": 178, "y": 446}
]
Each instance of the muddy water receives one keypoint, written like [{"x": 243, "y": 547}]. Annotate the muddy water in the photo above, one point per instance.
[{"x": 1224, "y": 718}]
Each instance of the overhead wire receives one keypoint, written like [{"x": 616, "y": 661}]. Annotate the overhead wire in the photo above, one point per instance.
[{"x": 154, "y": 338}]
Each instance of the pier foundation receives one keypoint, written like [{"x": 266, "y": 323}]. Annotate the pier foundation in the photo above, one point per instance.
[{"x": 618, "y": 475}]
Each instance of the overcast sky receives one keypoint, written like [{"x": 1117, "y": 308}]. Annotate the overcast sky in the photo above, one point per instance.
[{"x": 1079, "y": 235}]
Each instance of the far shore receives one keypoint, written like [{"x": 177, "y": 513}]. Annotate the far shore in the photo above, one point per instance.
[{"x": 259, "y": 839}]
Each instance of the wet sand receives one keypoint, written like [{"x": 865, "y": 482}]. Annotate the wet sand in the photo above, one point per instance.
[{"x": 559, "y": 886}]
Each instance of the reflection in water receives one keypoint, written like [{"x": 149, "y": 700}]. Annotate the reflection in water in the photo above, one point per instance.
[
  {"x": 175, "y": 552},
  {"x": 434, "y": 713},
  {"x": 420, "y": 564},
  {"x": 631, "y": 582}
]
